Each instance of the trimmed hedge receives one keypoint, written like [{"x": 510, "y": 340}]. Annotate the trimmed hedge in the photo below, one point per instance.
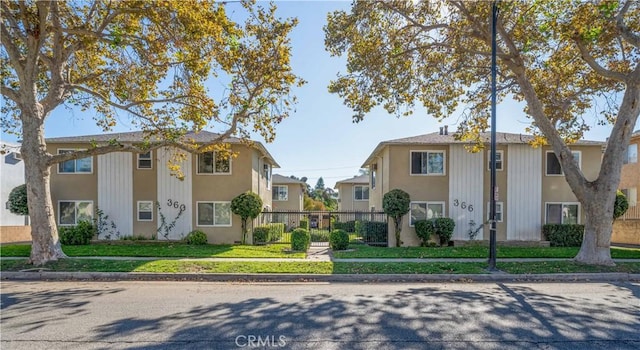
[
  {"x": 374, "y": 231},
  {"x": 339, "y": 240},
  {"x": 444, "y": 229},
  {"x": 268, "y": 233},
  {"x": 347, "y": 226},
  {"x": 563, "y": 235},
  {"x": 300, "y": 239},
  {"x": 196, "y": 237},
  {"x": 319, "y": 235},
  {"x": 80, "y": 234},
  {"x": 304, "y": 223},
  {"x": 425, "y": 229}
]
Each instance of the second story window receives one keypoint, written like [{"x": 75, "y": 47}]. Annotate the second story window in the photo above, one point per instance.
[
  {"x": 631, "y": 154},
  {"x": 144, "y": 160},
  {"x": 267, "y": 174},
  {"x": 553, "y": 164},
  {"x": 373, "y": 170},
  {"x": 75, "y": 166},
  {"x": 280, "y": 193},
  {"x": 427, "y": 162},
  {"x": 214, "y": 163},
  {"x": 361, "y": 193},
  {"x": 499, "y": 157}
]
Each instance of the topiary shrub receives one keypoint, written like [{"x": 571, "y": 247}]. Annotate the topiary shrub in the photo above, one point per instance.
[
  {"x": 563, "y": 235},
  {"x": 196, "y": 237},
  {"x": 621, "y": 205},
  {"x": 396, "y": 204},
  {"x": 300, "y": 239},
  {"x": 338, "y": 240},
  {"x": 80, "y": 234},
  {"x": 424, "y": 230},
  {"x": 304, "y": 223},
  {"x": 18, "y": 200},
  {"x": 247, "y": 205},
  {"x": 444, "y": 229}
]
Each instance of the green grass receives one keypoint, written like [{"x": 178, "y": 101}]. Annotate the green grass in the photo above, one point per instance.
[
  {"x": 364, "y": 251},
  {"x": 164, "y": 249},
  {"x": 309, "y": 267}
]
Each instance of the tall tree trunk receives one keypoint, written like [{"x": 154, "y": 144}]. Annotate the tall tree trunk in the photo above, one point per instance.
[
  {"x": 598, "y": 227},
  {"x": 45, "y": 244}
]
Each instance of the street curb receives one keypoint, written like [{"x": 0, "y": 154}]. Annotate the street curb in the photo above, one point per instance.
[{"x": 346, "y": 278}]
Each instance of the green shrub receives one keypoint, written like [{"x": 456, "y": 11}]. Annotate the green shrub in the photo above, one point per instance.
[
  {"x": 563, "y": 235},
  {"x": 196, "y": 237},
  {"x": 18, "y": 200},
  {"x": 300, "y": 239},
  {"x": 621, "y": 205},
  {"x": 347, "y": 226},
  {"x": 395, "y": 203},
  {"x": 80, "y": 234},
  {"x": 138, "y": 237},
  {"x": 444, "y": 229},
  {"x": 319, "y": 236},
  {"x": 247, "y": 206},
  {"x": 374, "y": 231},
  {"x": 424, "y": 230},
  {"x": 304, "y": 223},
  {"x": 268, "y": 233},
  {"x": 338, "y": 240},
  {"x": 276, "y": 230},
  {"x": 260, "y": 235}
]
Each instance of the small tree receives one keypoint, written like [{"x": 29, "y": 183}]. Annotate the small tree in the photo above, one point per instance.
[
  {"x": 18, "y": 200},
  {"x": 248, "y": 205},
  {"x": 395, "y": 203},
  {"x": 621, "y": 205}
]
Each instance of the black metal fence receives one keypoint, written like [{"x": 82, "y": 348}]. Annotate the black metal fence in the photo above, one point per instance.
[{"x": 370, "y": 227}]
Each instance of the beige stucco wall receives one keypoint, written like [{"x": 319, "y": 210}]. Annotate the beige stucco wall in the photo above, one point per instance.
[
  {"x": 501, "y": 182},
  {"x": 12, "y": 234},
  {"x": 347, "y": 198},
  {"x": 72, "y": 186},
  {"x": 630, "y": 176},
  {"x": 626, "y": 232},
  {"x": 294, "y": 200},
  {"x": 555, "y": 187}
]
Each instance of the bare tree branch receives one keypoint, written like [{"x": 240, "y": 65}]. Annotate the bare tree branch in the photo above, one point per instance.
[{"x": 596, "y": 66}]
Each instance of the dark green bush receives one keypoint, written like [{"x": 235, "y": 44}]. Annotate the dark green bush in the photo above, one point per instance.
[
  {"x": 276, "y": 230},
  {"x": 374, "y": 231},
  {"x": 18, "y": 200},
  {"x": 196, "y": 237},
  {"x": 621, "y": 205},
  {"x": 563, "y": 235},
  {"x": 424, "y": 230},
  {"x": 304, "y": 223},
  {"x": 80, "y": 234},
  {"x": 319, "y": 236},
  {"x": 347, "y": 226},
  {"x": 338, "y": 240},
  {"x": 300, "y": 239},
  {"x": 260, "y": 235},
  {"x": 444, "y": 229}
]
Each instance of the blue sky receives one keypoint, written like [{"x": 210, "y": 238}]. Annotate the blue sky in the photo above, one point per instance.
[{"x": 319, "y": 139}]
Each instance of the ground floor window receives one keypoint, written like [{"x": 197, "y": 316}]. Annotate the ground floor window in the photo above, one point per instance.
[
  {"x": 562, "y": 213},
  {"x": 74, "y": 211},
  {"x": 498, "y": 211},
  {"x": 426, "y": 210},
  {"x": 145, "y": 211},
  {"x": 214, "y": 214}
]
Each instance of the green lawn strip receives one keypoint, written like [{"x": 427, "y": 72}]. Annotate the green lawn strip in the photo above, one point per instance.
[
  {"x": 304, "y": 267},
  {"x": 163, "y": 249},
  {"x": 364, "y": 251}
]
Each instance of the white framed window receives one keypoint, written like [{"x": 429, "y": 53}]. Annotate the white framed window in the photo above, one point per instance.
[
  {"x": 632, "y": 196},
  {"x": 499, "y": 159},
  {"x": 427, "y": 163},
  {"x": 280, "y": 193},
  {"x": 214, "y": 163},
  {"x": 361, "y": 193},
  {"x": 267, "y": 174},
  {"x": 499, "y": 211},
  {"x": 553, "y": 164},
  {"x": 631, "y": 154},
  {"x": 145, "y": 211},
  {"x": 145, "y": 160},
  {"x": 213, "y": 213},
  {"x": 75, "y": 166},
  {"x": 562, "y": 213},
  {"x": 425, "y": 210},
  {"x": 70, "y": 212}
]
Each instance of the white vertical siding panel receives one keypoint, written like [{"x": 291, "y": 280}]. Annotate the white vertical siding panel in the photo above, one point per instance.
[
  {"x": 115, "y": 190},
  {"x": 524, "y": 193},
  {"x": 465, "y": 185},
  {"x": 171, "y": 188}
]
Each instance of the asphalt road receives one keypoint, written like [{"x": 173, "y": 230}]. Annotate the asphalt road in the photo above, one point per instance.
[{"x": 192, "y": 315}]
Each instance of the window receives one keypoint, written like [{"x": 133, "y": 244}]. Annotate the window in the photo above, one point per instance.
[
  {"x": 267, "y": 174},
  {"x": 280, "y": 193},
  {"x": 145, "y": 211},
  {"x": 631, "y": 154},
  {"x": 563, "y": 213},
  {"x": 632, "y": 196},
  {"x": 361, "y": 193},
  {"x": 426, "y": 210},
  {"x": 214, "y": 163},
  {"x": 498, "y": 211},
  {"x": 373, "y": 170},
  {"x": 427, "y": 162},
  {"x": 553, "y": 165},
  {"x": 144, "y": 160},
  {"x": 75, "y": 166},
  {"x": 72, "y": 212},
  {"x": 214, "y": 214},
  {"x": 499, "y": 157}
]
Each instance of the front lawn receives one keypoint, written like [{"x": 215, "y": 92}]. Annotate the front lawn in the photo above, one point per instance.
[
  {"x": 165, "y": 249},
  {"x": 365, "y": 251}
]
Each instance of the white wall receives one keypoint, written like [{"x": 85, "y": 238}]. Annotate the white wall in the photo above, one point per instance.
[
  {"x": 11, "y": 175},
  {"x": 172, "y": 189},
  {"x": 524, "y": 193},
  {"x": 115, "y": 190},
  {"x": 465, "y": 189}
]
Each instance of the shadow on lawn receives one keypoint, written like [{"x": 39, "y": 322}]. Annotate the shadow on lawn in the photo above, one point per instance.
[{"x": 498, "y": 316}]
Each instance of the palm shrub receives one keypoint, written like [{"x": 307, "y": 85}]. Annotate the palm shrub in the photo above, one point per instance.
[
  {"x": 396, "y": 204},
  {"x": 247, "y": 205},
  {"x": 424, "y": 230},
  {"x": 338, "y": 240},
  {"x": 300, "y": 239}
]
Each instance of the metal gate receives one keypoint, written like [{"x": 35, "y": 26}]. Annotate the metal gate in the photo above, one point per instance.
[{"x": 369, "y": 227}]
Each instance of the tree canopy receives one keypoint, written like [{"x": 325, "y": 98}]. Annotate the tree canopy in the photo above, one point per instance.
[{"x": 574, "y": 63}]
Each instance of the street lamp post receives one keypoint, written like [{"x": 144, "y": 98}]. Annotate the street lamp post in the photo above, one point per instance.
[{"x": 492, "y": 203}]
